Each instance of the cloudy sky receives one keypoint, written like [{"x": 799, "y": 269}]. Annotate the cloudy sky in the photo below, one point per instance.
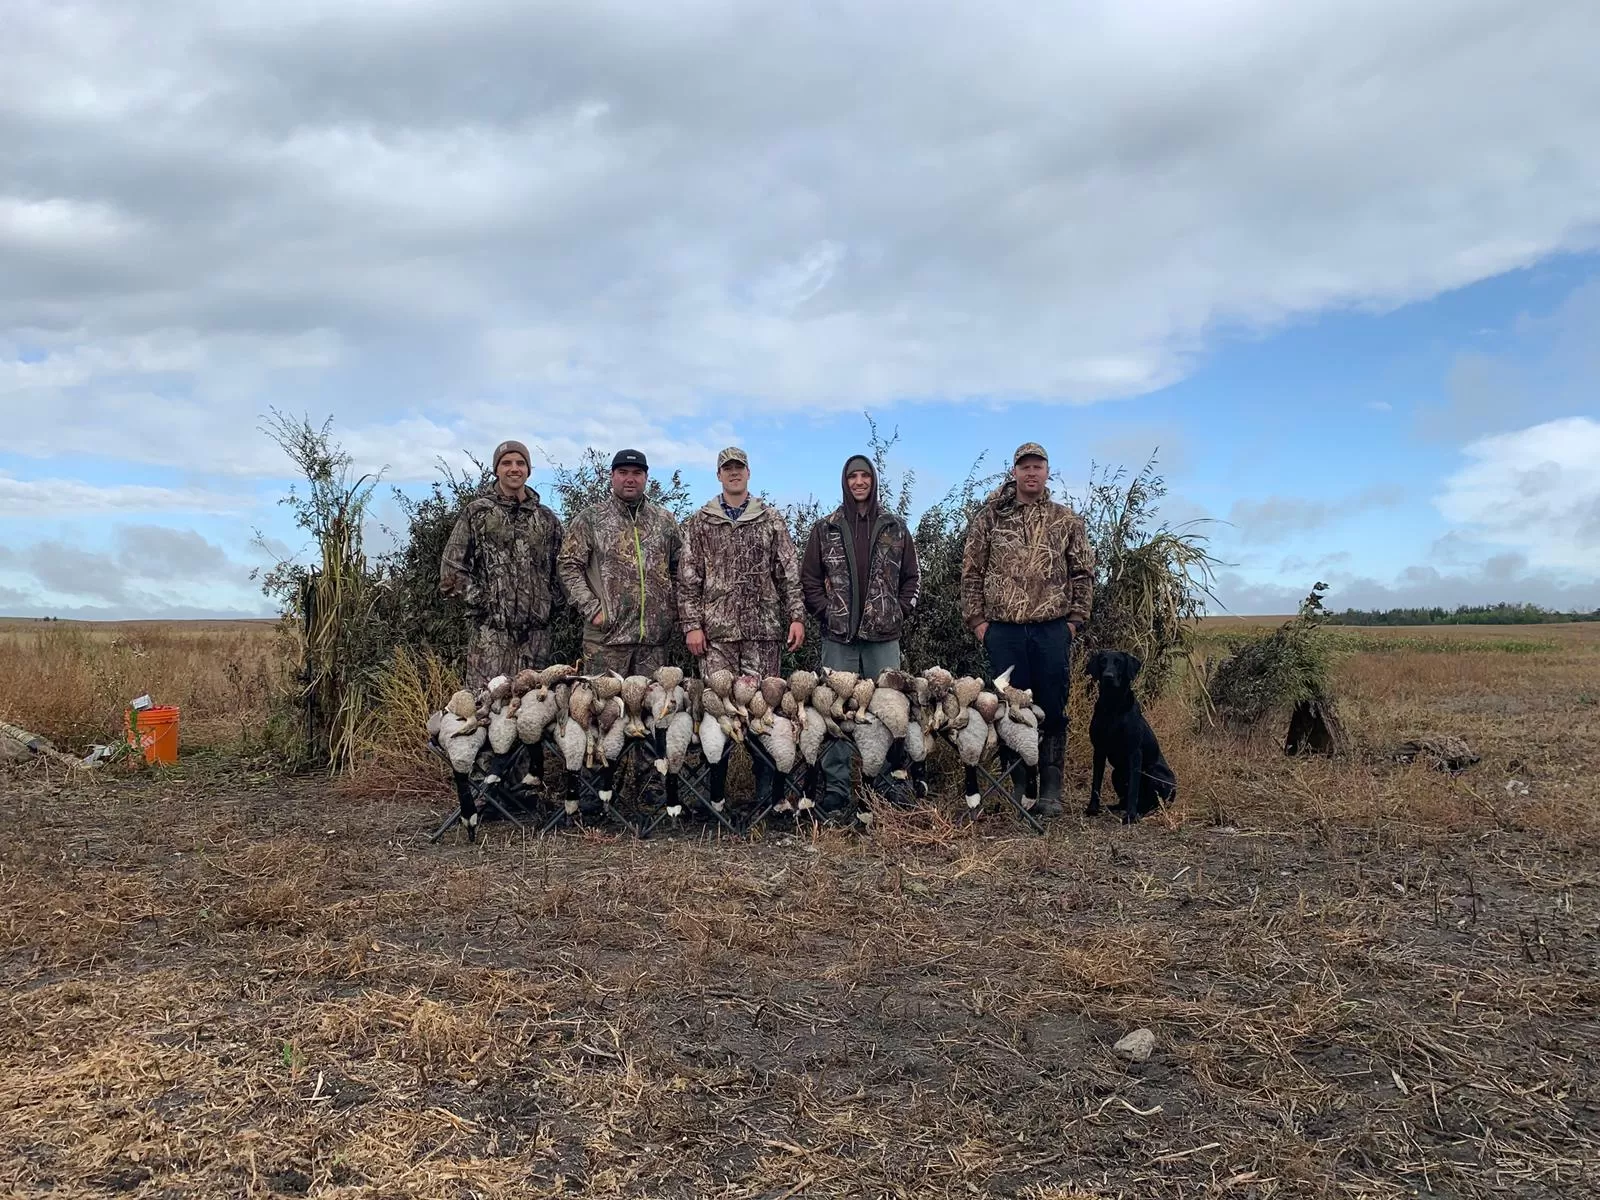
[{"x": 1340, "y": 261}]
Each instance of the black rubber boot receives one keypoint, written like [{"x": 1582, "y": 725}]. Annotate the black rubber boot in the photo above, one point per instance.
[{"x": 1052, "y": 752}]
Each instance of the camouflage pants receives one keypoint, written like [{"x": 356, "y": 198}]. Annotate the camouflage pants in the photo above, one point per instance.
[
  {"x": 742, "y": 658},
  {"x": 631, "y": 658},
  {"x": 492, "y": 652}
]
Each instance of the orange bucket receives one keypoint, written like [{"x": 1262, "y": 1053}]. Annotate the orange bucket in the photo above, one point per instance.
[{"x": 155, "y": 731}]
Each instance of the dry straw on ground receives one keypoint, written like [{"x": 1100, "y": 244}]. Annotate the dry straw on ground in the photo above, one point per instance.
[{"x": 1365, "y": 979}]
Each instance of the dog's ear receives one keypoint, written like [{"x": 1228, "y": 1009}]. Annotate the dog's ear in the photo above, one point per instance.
[
  {"x": 1091, "y": 665},
  {"x": 1134, "y": 666}
]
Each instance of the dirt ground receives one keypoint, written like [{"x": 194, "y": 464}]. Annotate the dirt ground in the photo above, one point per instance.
[{"x": 1363, "y": 979}]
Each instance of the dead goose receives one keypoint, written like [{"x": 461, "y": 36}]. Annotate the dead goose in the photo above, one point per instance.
[
  {"x": 801, "y": 685},
  {"x": 781, "y": 744},
  {"x": 537, "y": 711},
  {"x": 813, "y": 732},
  {"x": 873, "y": 741},
  {"x": 503, "y": 725},
  {"x": 633, "y": 690},
  {"x": 893, "y": 708},
  {"x": 916, "y": 743},
  {"x": 861, "y": 696}
]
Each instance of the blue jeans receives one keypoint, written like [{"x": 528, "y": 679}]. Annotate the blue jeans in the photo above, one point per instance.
[{"x": 866, "y": 659}]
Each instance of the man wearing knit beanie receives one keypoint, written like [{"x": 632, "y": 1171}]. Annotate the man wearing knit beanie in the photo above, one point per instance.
[
  {"x": 510, "y": 466},
  {"x": 501, "y": 560}
]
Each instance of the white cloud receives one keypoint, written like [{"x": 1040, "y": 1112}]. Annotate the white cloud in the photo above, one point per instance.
[
  {"x": 1536, "y": 490},
  {"x": 1279, "y": 517},
  {"x": 629, "y": 216},
  {"x": 58, "y": 497},
  {"x": 147, "y": 570}
]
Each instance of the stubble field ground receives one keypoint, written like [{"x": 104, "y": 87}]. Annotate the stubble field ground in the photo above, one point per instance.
[{"x": 1364, "y": 978}]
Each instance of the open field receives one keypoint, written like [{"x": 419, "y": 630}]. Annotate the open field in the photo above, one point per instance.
[
  {"x": 1364, "y": 979},
  {"x": 71, "y": 680}
]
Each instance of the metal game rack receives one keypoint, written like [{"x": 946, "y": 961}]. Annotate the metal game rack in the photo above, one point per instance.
[{"x": 638, "y": 760}]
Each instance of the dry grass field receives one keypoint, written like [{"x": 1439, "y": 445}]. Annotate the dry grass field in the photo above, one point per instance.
[
  {"x": 1364, "y": 979},
  {"x": 72, "y": 680}
]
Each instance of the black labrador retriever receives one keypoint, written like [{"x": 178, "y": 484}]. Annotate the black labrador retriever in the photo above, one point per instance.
[{"x": 1119, "y": 733}]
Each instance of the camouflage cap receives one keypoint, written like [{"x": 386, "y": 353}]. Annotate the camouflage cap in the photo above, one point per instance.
[
  {"x": 732, "y": 454},
  {"x": 1028, "y": 449}
]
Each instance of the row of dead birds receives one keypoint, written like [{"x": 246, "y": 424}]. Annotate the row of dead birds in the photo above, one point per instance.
[{"x": 591, "y": 718}]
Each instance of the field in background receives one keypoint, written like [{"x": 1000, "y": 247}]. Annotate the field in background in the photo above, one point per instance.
[
  {"x": 1365, "y": 979},
  {"x": 72, "y": 680}
]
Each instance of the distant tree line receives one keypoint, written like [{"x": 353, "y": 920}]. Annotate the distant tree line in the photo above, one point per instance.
[{"x": 1465, "y": 614}]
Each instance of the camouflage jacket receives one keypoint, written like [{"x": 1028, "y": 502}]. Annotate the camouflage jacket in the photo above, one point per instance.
[
  {"x": 501, "y": 559},
  {"x": 830, "y": 579},
  {"x": 738, "y": 581},
  {"x": 623, "y": 562},
  {"x": 1025, "y": 562}
]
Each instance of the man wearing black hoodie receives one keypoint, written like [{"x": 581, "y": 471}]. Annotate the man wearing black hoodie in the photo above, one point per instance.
[{"x": 859, "y": 579}]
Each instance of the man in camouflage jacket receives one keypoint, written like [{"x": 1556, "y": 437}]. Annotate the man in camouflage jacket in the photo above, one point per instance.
[
  {"x": 860, "y": 579},
  {"x": 501, "y": 560},
  {"x": 1027, "y": 580},
  {"x": 739, "y": 591},
  {"x": 739, "y": 579},
  {"x": 618, "y": 564}
]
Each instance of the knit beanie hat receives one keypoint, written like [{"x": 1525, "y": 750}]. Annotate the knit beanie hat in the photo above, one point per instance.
[{"x": 510, "y": 447}]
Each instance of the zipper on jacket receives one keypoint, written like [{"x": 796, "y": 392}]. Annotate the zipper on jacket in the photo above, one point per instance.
[{"x": 638, "y": 557}]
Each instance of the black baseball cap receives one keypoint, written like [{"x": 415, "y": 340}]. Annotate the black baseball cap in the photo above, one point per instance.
[{"x": 630, "y": 458}]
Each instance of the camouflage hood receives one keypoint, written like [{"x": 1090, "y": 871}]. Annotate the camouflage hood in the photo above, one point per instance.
[
  {"x": 1005, "y": 496},
  {"x": 860, "y": 576},
  {"x": 738, "y": 581},
  {"x": 848, "y": 502}
]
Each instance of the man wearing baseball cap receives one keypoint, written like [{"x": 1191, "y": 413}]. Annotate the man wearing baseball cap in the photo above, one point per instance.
[
  {"x": 739, "y": 596},
  {"x": 618, "y": 564},
  {"x": 1027, "y": 580},
  {"x": 501, "y": 560}
]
